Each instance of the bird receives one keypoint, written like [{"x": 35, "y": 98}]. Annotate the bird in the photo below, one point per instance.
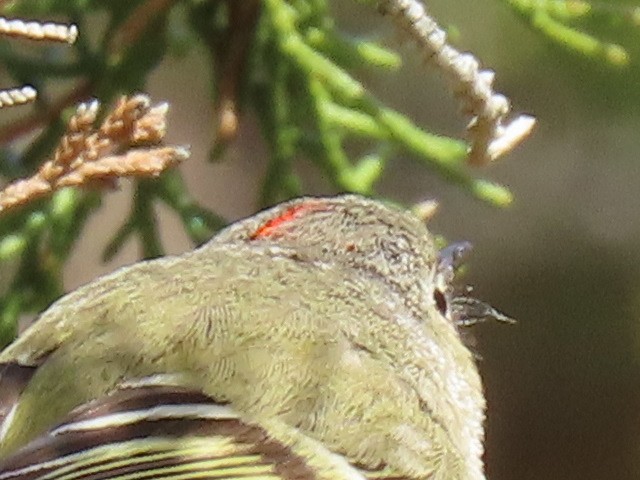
[{"x": 318, "y": 338}]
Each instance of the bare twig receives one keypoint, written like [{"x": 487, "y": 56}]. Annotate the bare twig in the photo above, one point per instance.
[
  {"x": 17, "y": 96},
  {"x": 48, "y": 32},
  {"x": 137, "y": 23},
  {"x": 490, "y": 136},
  {"x": 26, "y": 125},
  {"x": 52, "y": 32},
  {"x": 231, "y": 59}
]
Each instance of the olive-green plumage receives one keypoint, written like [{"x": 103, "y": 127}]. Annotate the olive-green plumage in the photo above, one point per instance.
[{"x": 318, "y": 313}]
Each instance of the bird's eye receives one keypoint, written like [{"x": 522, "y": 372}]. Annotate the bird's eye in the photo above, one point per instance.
[{"x": 441, "y": 301}]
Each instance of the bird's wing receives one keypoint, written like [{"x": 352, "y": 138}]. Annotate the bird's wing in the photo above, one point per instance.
[
  {"x": 173, "y": 433},
  {"x": 14, "y": 378}
]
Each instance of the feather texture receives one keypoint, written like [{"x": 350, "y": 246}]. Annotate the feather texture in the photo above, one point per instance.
[
  {"x": 320, "y": 321},
  {"x": 171, "y": 433}
]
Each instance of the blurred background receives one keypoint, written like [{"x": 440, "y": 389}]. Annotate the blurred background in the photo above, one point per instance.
[{"x": 563, "y": 384}]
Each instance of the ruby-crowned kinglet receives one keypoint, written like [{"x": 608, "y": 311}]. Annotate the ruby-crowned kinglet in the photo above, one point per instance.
[{"x": 324, "y": 319}]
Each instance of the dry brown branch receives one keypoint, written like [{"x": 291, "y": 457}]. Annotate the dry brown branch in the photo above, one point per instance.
[
  {"x": 490, "y": 133},
  {"x": 231, "y": 57},
  {"x": 53, "y": 32},
  {"x": 134, "y": 163},
  {"x": 17, "y": 96},
  {"x": 48, "y": 32},
  {"x": 89, "y": 156},
  {"x": 136, "y": 24},
  {"x": 27, "y": 125}
]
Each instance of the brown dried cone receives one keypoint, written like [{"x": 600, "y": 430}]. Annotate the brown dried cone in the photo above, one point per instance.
[
  {"x": 90, "y": 156},
  {"x": 325, "y": 322}
]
